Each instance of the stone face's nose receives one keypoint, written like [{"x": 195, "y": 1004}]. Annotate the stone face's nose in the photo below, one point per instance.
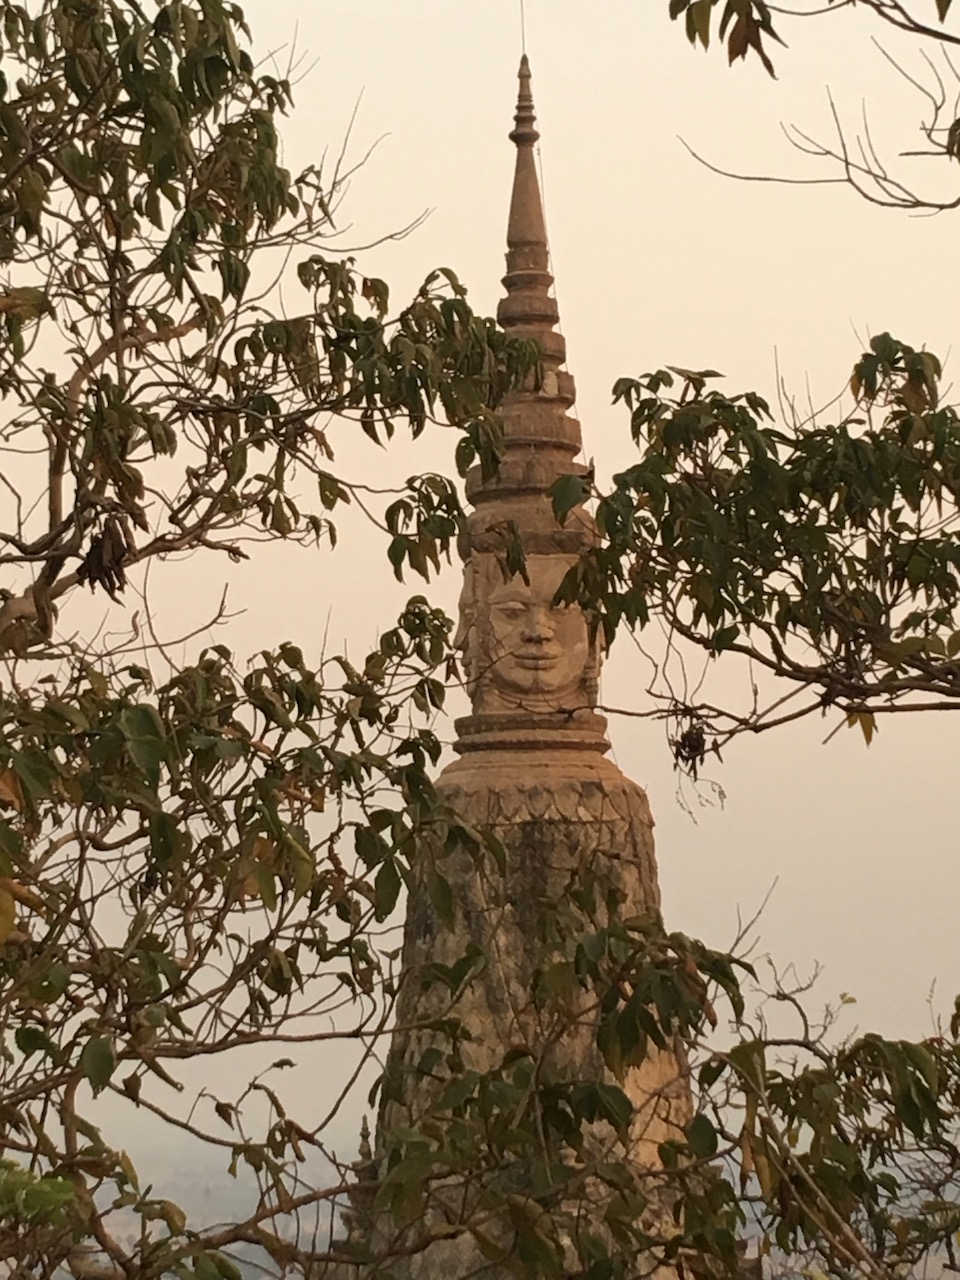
[{"x": 538, "y": 626}]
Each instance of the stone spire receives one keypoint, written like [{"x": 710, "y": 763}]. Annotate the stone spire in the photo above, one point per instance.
[
  {"x": 576, "y": 834},
  {"x": 529, "y": 309},
  {"x": 531, "y": 669}
]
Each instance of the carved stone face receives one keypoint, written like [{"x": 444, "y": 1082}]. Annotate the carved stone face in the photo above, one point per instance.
[
  {"x": 520, "y": 651},
  {"x": 465, "y": 639}
]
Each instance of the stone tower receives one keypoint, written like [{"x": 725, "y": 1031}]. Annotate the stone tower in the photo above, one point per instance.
[{"x": 531, "y": 769}]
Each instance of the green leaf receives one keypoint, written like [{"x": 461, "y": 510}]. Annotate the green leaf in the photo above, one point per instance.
[
  {"x": 173, "y": 1216},
  {"x": 35, "y": 772},
  {"x": 301, "y": 862},
  {"x": 98, "y": 1062},
  {"x": 698, "y": 21},
  {"x": 387, "y": 889},
  {"x": 226, "y": 1267},
  {"x": 52, "y": 984},
  {"x": 11, "y": 847},
  {"x": 441, "y": 896},
  {"x": 141, "y": 721},
  {"x": 129, "y": 1171},
  {"x": 369, "y": 846},
  {"x": 458, "y": 1091},
  {"x": 143, "y": 730},
  {"x": 91, "y": 1133},
  {"x": 702, "y": 1137},
  {"x": 566, "y": 492},
  {"x": 922, "y": 1061},
  {"x": 204, "y": 1267},
  {"x": 164, "y": 838},
  {"x": 267, "y": 887},
  {"x": 749, "y": 1059},
  {"x": 34, "y": 1199},
  {"x": 614, "y": 1106},
  {"x": 867, "y": 722},
  {"x": 31, "y": 1040},
  {"x": 710, "y": 1072},
  {"x": 725, "y": 637}
]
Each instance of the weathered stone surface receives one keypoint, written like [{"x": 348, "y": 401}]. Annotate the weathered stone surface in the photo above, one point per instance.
[{"x": 565, "y": 820}]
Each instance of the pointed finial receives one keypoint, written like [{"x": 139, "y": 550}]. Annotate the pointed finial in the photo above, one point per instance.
[
  {"x": 365, "y": 1151},
  {"x": 526, "y": 229},
  {"x": 525, "y": 133}
]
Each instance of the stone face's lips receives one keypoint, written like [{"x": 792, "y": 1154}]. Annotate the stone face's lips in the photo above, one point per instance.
[{"x": 536, "y": 661}]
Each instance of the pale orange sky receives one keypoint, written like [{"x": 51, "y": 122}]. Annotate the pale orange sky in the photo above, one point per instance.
[{"x": 657, "y": 261}]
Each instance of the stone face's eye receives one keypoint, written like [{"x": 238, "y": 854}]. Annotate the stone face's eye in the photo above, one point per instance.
[{"x": 511, "y": 609}]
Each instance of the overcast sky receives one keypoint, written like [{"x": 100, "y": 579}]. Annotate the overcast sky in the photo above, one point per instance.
[{"x": 659, "y": 261}]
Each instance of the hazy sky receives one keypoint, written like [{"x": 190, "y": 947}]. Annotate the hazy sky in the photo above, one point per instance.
[{"x": 660, "y": 261}]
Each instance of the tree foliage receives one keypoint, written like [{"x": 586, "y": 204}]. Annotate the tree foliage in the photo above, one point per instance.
[
  {"x": 825, "y": 1157},
  {"x": 198, "y": 858},
  {"x": 146, "y": 214},
  {"x": 828, "y": 554},
  {"x": 753, "y": 27},
  {"x": 178, "y": 878},
  {"x": 745, "y": 24}
]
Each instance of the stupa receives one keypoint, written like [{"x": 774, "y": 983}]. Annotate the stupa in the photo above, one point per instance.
[{"x": 532, "y": 769}]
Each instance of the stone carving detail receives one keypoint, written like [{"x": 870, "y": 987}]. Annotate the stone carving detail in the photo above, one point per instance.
[
  {"x": 520, "y": 651},
  {"x": 566, "y": 823}
]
